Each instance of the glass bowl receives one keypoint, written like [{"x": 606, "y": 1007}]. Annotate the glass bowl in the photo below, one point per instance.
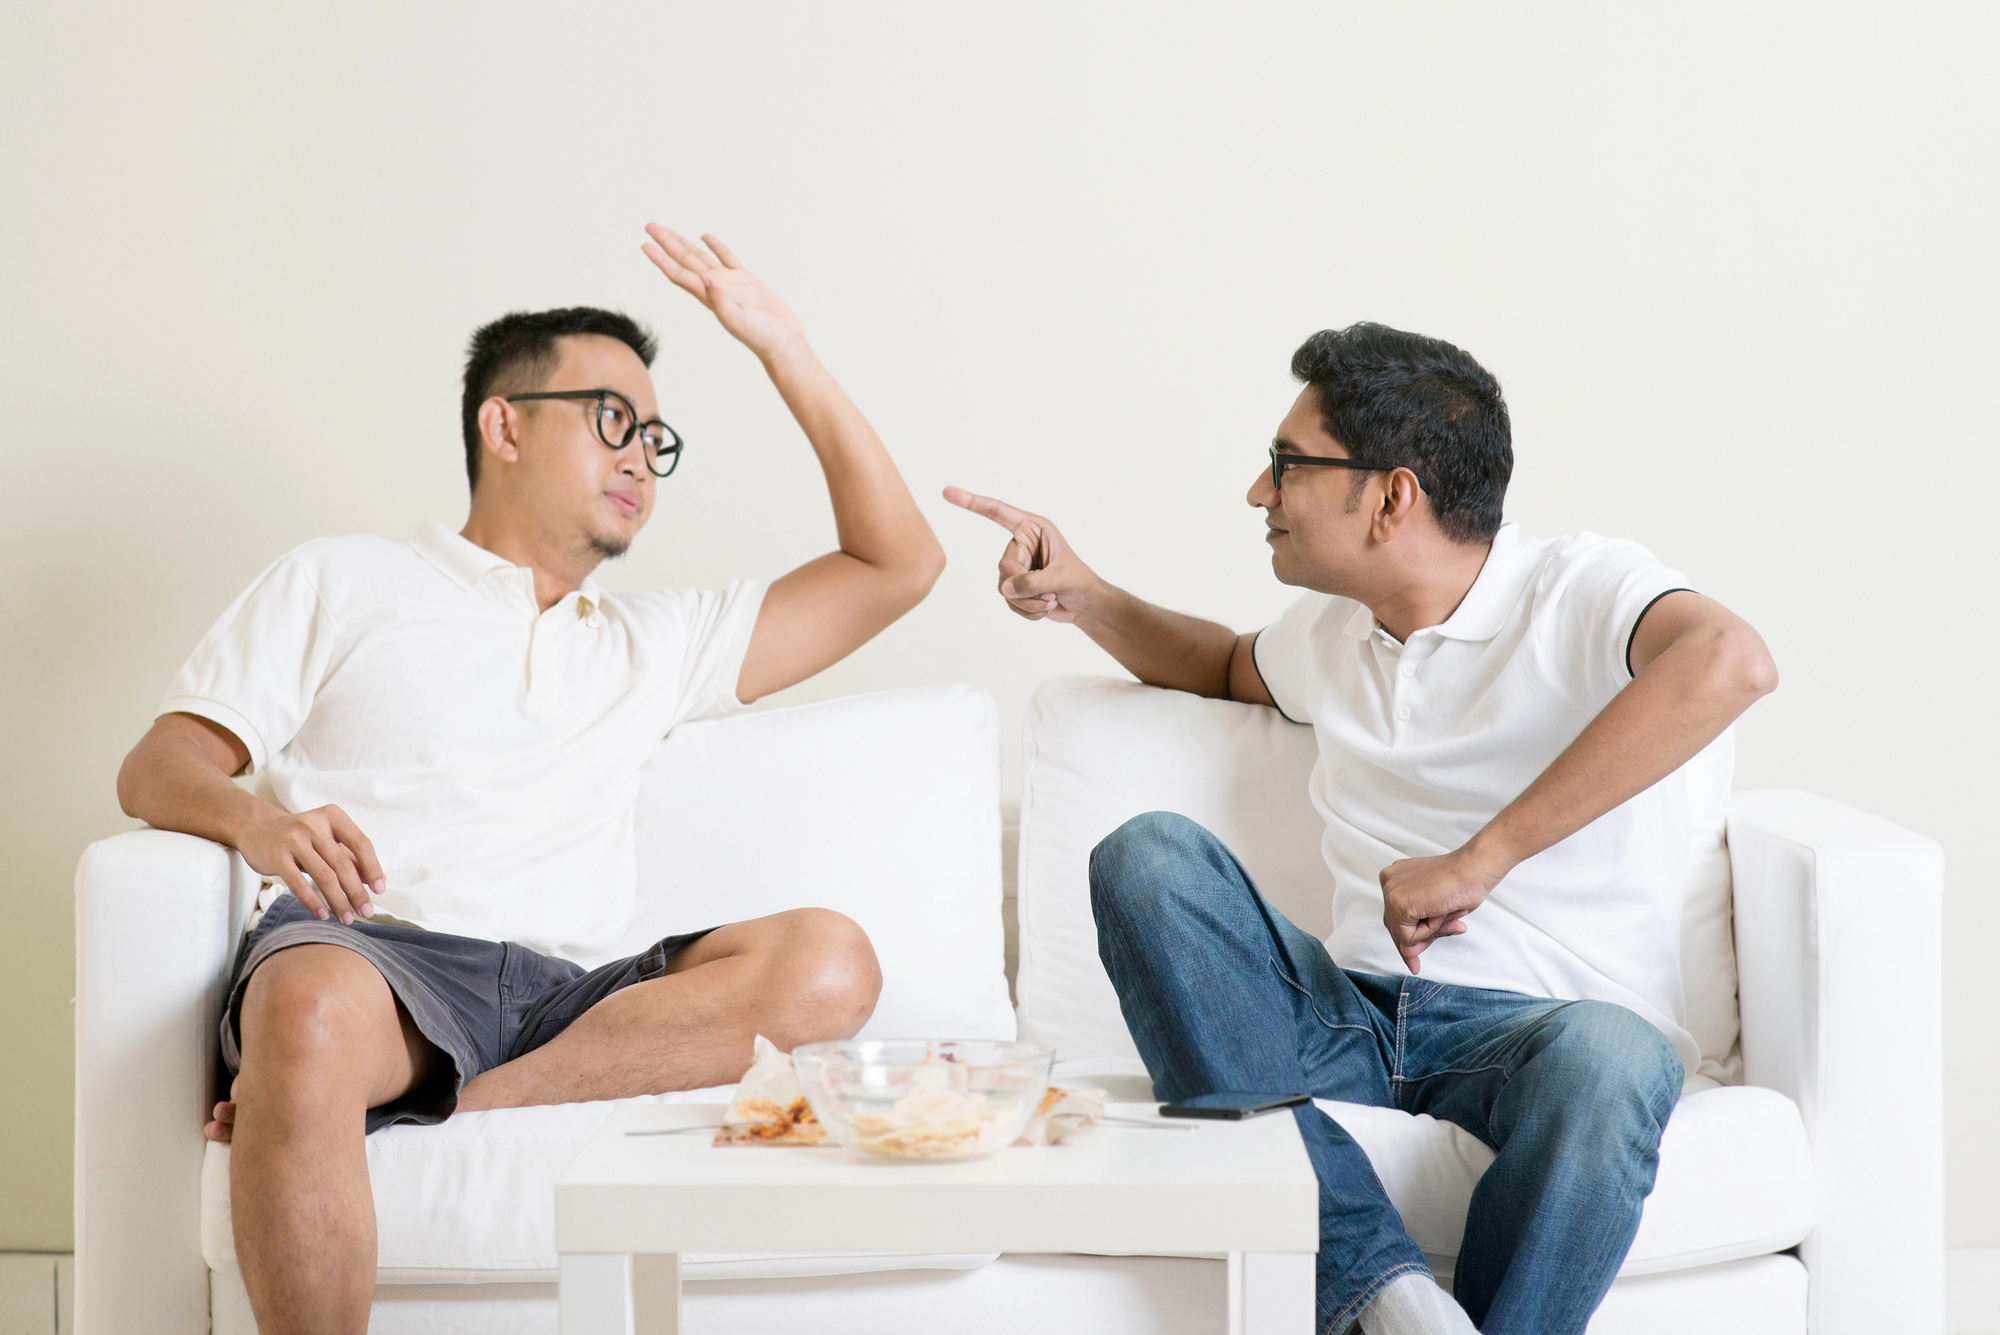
[{"x": 935, "y": 1100}]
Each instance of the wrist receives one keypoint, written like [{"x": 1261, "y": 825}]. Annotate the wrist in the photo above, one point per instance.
[
  {"x": 243, "y": 816},
  {"x": 788, "y": 359},
  {"x": 1488, "y": 855},
  {"x": 1096, "y": 605}
]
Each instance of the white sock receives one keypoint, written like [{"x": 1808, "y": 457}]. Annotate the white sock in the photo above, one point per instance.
[{"x": 1415, "y": 1305}]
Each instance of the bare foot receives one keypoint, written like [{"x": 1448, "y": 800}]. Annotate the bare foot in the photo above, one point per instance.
[{"x": 224, "y": 1125}]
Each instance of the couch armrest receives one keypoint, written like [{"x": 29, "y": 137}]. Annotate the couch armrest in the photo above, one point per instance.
[
  {"x": 158, "y": 916},
  {"x": 1839, "y": 950}
]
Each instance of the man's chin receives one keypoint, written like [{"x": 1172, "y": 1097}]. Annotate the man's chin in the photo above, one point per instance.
[
  {"x": 608, "y": 546},
  {"x": 1282, "y": 568}
]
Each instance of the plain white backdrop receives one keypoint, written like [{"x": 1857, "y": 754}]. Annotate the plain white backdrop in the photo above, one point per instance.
[{"x": 1733, "y": 265}]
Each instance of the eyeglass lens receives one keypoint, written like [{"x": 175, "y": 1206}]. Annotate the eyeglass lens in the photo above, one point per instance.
[{"x": 615, "y": 426}]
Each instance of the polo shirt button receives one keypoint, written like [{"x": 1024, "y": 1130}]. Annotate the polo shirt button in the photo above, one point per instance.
[
  {"x": 1409, "y": 669},
  {"x": 1402, "y": 711}
]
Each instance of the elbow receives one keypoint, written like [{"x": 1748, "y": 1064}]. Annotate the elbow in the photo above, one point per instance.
[
  {"x": 128, "y": 786},
  {"x": 1763, "y": 677},
  {"x": 933, "y": 568},
  {"x": 921, "y": 574},
  {"x": 1748, "y": 667}
]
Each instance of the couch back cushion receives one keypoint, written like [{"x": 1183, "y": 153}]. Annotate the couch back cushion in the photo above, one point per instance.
[
  {"x": 1097, "y": 752},
  {"x": 885, "y": 807}
]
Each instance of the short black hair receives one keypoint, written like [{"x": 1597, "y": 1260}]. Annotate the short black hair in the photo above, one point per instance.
[
  {"x": 516, "y": 354},
  {"x": 1406, "y": 401}
]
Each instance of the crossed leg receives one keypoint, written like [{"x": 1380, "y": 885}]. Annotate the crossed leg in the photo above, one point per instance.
[{"x": 324, "y": 1040}]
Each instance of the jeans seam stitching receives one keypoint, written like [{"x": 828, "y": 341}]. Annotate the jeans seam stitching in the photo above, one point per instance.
[
  {"x": 1347, "y": 1315},
  {"x": 1402, "y": 1009},
  {"x": 1459, "y": 1070},
  {"x": 1312, "y": 1002},
  {"x": 1427, "y": 998}
]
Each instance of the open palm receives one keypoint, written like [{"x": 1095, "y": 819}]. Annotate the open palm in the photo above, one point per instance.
[{"x": 743, "y": 302}]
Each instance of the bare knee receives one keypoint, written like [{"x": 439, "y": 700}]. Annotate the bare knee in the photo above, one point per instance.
[
  {"x": 821, "y": 976},
  {"x": 318, "y": 1021}
]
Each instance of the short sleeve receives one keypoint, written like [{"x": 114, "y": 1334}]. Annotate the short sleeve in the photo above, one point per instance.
[
  {"x": 259, "y": 667},
  {"x": 1603, "y": 588},
  {"x": 1283, "y": 656},
  {"x": 712, "y": 634}
]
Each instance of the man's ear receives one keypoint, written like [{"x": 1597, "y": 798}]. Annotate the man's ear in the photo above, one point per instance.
[
  {"x": 1402, "y": 499},
  {"x": 496, "y": 430}
]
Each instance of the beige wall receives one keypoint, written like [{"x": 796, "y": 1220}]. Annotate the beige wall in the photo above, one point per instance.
[{"x": 1735, "y": 272}]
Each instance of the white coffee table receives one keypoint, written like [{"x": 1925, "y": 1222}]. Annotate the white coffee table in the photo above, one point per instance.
[{"x": 632, "y": 1204}]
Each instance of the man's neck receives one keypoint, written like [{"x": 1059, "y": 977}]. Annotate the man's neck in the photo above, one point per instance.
[
  {"x": 1435, "y": 583},
  {"x": 559, "y": 568}
]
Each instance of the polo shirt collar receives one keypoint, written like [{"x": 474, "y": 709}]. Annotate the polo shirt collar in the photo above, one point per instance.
[
  {"x": 466, "y": 562},
  {"x": 1361, "y": 625},
  {"x": 1483, "y": 610}
]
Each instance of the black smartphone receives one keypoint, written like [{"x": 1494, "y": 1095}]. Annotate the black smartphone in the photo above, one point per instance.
[{"x": 1235, "y": 1107}]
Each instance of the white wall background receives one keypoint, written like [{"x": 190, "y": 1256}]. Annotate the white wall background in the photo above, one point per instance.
[{"x": 1734, "y": 266}]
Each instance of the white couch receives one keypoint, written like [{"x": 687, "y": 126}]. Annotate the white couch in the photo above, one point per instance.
[{"x": 887, "y": 807}]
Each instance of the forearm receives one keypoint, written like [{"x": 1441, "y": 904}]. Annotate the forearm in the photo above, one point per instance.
[
  {"x": 1677, "y": 706},
  {"x": 875, "y": 517},
  {"x": 888, "y": 558},
  {"x": 1159, "y": 647},
  {"x": 171, "y": 784}
]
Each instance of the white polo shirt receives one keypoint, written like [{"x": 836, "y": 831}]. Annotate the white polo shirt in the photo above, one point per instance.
[
  {"x": 490, "y": 751},
  {"x": 1421, "y": 744}
]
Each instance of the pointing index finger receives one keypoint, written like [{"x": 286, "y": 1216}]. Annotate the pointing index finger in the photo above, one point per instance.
[{"x": 1001, "y": 513}]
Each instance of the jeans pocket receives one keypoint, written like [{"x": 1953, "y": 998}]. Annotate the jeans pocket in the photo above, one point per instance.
[{"x": 1417, "y": 994}]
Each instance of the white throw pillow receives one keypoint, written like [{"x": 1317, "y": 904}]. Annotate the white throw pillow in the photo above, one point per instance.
[
  {"x": 1098, "y": 751},
  {"x": 885, "y": 807}
]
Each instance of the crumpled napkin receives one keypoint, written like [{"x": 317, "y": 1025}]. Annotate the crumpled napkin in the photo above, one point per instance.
[
  {"x": 769, "y": 1107},
  {"x": 1062, "y": 1112}
]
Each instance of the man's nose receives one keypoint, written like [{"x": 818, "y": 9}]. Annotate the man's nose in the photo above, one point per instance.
[{"x": 1263, "y": 494}]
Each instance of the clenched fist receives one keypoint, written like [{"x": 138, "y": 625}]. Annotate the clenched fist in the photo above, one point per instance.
[{"x": 1424, "y": 899}]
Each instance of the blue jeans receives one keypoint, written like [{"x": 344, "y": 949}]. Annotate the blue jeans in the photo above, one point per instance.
[{"x": 1222, "y": 993}]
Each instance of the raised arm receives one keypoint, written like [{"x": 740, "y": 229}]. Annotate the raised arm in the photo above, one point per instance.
[
  {"x": 1696, "y": 667},
  {"x": 178, "y": 778},
  {"x": 1040, "y": 577},
  {"x": 888, "y": 558}
]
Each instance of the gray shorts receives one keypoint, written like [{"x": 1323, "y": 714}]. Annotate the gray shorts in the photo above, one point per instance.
[{"x": 480, "y": 1003}]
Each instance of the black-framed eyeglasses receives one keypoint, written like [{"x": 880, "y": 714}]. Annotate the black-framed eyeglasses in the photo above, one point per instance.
[
  {"x": 618, "y": 421},
  {"x": 1281, "y": 461}
]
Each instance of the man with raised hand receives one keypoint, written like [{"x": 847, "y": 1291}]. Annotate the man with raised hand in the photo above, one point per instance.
[
  {"x": 454, "y": 729},
  {"x": 1502, "y": 725}
]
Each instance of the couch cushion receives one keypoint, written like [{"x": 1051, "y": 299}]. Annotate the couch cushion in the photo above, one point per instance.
[
  {"x": 1097, "y": 752},
  {"x": 884, "y": 806},
  {"x": 1735, "y": 1177},
  {"x": 473, "y": 1200}
]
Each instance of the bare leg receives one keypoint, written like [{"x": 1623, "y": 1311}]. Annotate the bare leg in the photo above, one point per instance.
[
  {"x": 796, "y": 977},
  {"x": 323, "y": 1041}
]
